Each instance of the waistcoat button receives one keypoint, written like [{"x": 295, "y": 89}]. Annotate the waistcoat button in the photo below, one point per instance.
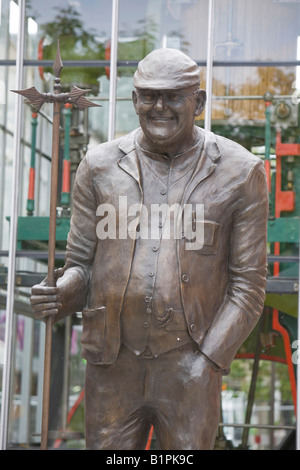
[{"x": 185, "y": 278}]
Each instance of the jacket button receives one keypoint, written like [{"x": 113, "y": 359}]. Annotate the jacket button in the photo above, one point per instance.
[
  {"x": 185, "y": 278},
  {"x": 163, "y": 191},
  {"x": 146, "y": 324},
  {"x": 193, "y": 327}
]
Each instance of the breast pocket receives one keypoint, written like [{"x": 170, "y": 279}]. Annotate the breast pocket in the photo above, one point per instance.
[{"x": 206, "y": 238}]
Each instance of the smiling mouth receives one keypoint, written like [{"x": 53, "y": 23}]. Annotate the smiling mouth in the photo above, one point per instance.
[{"x": 162, "y": 118}]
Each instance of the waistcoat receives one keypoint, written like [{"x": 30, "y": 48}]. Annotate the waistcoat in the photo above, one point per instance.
[{"x": 152, "y": 320}]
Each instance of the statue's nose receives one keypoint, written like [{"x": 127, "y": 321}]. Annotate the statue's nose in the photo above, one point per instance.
[{"x": 159, "y": 105}]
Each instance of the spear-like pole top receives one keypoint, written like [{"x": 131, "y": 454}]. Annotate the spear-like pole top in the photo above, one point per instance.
[
  {"x": 57, "y": 65},
  {"x": 75, "y": 96}
]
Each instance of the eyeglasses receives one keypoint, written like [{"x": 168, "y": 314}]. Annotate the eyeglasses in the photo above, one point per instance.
[{"x": 170, "y": 97}]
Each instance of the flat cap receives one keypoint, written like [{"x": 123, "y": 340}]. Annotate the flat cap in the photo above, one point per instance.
[{"x": 166, "y": 69}]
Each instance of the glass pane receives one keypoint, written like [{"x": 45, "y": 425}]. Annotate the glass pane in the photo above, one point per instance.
[
  {"x": 145, "y": 25},
  {"x": 83, "y": 27},
  {"x": 238, "y": 92},
  {"x": 256, "y": 30},
  {"x": 9, "y": 17}
]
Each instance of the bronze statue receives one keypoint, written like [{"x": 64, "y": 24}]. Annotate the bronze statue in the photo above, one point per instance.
[{"x": 164, "y": 311}]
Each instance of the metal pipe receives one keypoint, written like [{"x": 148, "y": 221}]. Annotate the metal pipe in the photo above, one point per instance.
[
  {"x": 257, "y": 426},
  {"x": 298, "y": 372},
  {"x": 214, "y": 98},
  {"x": 113, "y": 70},
  {"x": 4, "y": 137},
  {"x": 252, "y": 389},
  {"x": 134, "y": 63},
  {"x": 250, "y": 97},
  {"x": 51, "y": 280},
  {"x": 268, "y": 110},
  {"x": 13, "y": 231},
  {"x": 31, "y": 182},
  {"x": 66, "y": 377},
  {"x": 209, "y": 65},
  {"x": 65, "y": 193},
  {"x": 34, "y": 254}
]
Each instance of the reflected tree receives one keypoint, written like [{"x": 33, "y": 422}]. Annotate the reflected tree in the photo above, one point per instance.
[{"x": 77, "y": 43}]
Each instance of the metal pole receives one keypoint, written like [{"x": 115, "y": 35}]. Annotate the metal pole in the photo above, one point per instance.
[
  {"x": 13, "y": 233},
  {"x": 298, "y": 371},
  {"x": 209, "y": 65},
  {"x": 51, "y": 281},
  {"x": 31, "y": 183},
  {"x": 251, "y": 394},
  {"x": 113, "y": 70}
]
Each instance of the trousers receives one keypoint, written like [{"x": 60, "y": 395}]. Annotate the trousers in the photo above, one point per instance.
[{"x": 178, "y": 393}]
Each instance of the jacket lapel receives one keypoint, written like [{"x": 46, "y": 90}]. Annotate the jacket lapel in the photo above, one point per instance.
[
  {"x": 130, "y": 162},
  {"x": 210, "y": 155}
]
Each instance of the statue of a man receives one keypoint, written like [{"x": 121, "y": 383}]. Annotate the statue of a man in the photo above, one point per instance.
[{"x": 163, "y": 312}]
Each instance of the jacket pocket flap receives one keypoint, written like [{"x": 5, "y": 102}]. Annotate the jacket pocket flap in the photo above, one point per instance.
[
  {"x": 91, "y": 311},
  {"x": 93, "y": 328},
  {"x": 210, "y": 238},
  {"x": 211, "y": 230}
]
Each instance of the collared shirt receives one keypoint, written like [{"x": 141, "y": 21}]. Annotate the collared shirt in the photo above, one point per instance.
[{"x": 152, "y": 318}]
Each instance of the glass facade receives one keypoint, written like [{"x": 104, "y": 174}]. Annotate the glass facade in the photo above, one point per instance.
[{"x": 255, "y": 83}]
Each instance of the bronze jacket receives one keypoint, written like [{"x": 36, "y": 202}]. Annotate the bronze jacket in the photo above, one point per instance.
[{"x": 222, "y": 284}]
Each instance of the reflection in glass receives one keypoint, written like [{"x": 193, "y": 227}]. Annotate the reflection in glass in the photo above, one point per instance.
[
  {"x": 151, "y": 24},
  {"x": 234, "y": 99},
  {"x": 256, "y": 30}
]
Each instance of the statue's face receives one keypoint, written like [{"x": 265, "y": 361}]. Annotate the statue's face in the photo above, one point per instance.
[{"x": 167, "y": 116}]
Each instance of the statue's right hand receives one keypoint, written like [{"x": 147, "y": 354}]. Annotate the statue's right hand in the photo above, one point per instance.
[{"x": 45, "y": 300}]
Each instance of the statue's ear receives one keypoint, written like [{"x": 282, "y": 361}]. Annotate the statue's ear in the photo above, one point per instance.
[
  {"x": 201, "y": 101},
  {"x": 134, "y": 100}
]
